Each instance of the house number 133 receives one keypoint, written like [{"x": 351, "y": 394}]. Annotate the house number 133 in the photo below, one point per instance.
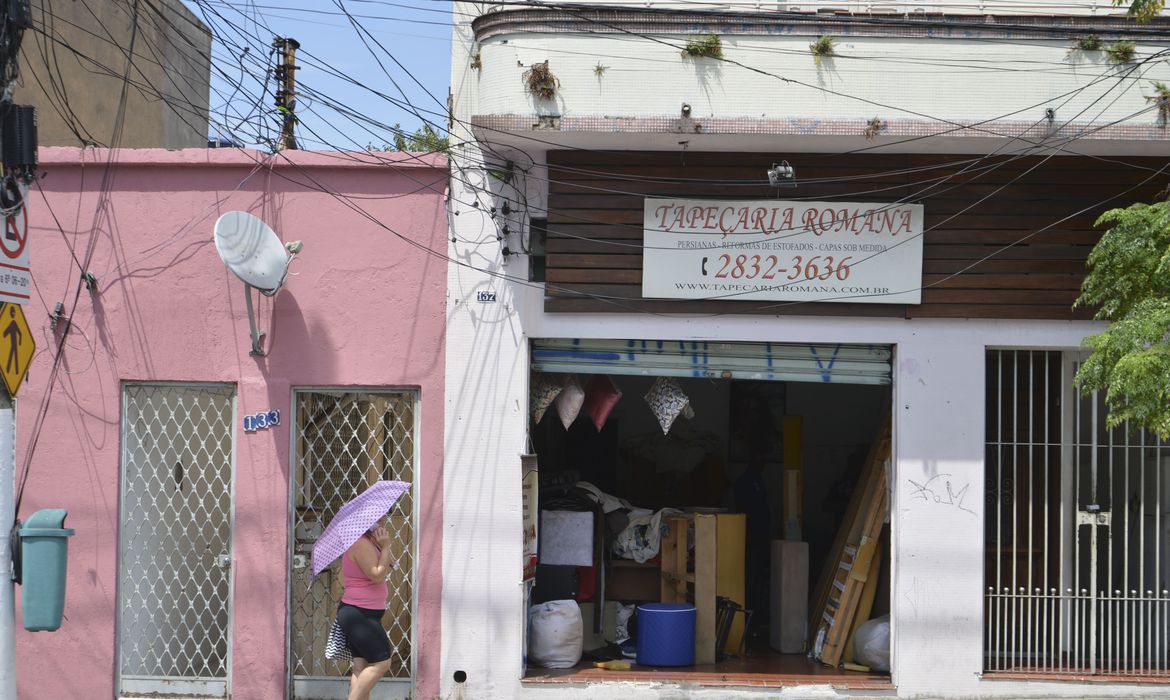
[{"x": 260, "y": 421}]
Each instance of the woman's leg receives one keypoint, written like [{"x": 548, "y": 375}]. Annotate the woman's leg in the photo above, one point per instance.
[
  {"x": 356, "y": 670},
  {"x": 361, "y": 683}
]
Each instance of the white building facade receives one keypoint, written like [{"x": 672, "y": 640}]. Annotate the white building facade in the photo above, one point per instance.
[{"x": 1028, "y": 550}]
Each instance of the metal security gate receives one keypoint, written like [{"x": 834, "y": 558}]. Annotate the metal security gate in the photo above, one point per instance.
[
  {"x": 174, "y": 575},
  {"x": 1078, "y": 528},
  {"x": 343, "y": 442}
]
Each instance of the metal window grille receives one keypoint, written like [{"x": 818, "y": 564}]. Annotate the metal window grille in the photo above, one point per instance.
[
  {"x": 174, "y": 579},
  {"x": 1078, "y": 528},
  {"x": 344, "y": 442}
]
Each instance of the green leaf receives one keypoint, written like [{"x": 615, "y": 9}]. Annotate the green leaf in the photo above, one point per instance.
[
  {"x": 1142, "y": 10},
  {"x": 1129, "y": 283}
]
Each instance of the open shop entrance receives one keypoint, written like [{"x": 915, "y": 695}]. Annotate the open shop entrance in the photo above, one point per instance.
[{"x": 714, "y": 513}]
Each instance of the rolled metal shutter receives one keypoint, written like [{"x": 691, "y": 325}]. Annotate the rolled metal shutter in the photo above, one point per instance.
[{"x": 781, "y": 362}]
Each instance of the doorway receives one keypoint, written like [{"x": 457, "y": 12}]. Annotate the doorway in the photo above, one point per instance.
[
  {"x": 773, "y": 443},
  {"x": 343, "y": 442},
  {"x": 175, "y": 543},
  {"x": 1078, "y": 528}
]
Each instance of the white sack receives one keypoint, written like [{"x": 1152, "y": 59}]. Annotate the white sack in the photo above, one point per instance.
[
  {"x": 871, "y": 644},
  {"x": 555, "y": 635}
]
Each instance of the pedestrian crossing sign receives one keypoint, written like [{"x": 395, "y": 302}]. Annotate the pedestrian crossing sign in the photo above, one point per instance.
[{"x": 17, "y": 346}]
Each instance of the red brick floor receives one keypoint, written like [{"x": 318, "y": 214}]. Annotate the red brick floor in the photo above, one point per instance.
[{"x": 766, "y": 669}]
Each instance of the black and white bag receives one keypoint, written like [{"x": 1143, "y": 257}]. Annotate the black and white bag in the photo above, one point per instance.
[{"x": 336, "y": 645}]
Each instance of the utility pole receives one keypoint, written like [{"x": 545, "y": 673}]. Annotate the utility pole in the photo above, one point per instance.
[
  {"x": 286, "y": 93},
  {"x": 18, "y": 144}
]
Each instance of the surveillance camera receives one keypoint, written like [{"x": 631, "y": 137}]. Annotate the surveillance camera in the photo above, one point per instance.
[{"x": 686, "y": 109}]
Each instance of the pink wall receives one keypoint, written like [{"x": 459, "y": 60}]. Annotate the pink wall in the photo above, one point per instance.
[{"x": 364, "y": 308}]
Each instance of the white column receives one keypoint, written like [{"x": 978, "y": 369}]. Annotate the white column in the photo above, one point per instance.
[
  {"x": 937, "y": 512},
  {"x": 7, "y": 518}
]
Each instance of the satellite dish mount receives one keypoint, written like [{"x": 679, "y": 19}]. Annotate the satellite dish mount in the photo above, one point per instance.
[{"x": 252, "y": 252}]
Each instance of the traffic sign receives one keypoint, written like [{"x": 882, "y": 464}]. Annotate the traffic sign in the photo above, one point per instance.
[
  {"x": 15, "y": 236},
  {"x": 15, "y": 278},
  {"x": 17, "y": 346}
]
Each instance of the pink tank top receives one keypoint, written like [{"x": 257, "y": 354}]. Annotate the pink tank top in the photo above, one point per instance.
[{"x": 359, "y": 589}]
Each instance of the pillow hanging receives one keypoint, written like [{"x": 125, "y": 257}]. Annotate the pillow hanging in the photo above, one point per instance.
[
  {"x": 569, "y": 401},
  {"x": 667, "y": 400},
  {"x": 600, "y": 397},
  {"x": 544, "y": 391}
]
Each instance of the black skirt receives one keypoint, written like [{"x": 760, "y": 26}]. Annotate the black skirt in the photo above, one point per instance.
[{"x": 364, "y": 632}]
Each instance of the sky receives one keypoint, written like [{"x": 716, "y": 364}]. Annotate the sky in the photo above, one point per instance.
[{"x": 333, "y": 63}]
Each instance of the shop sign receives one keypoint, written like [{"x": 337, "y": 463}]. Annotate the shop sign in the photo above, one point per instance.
[
  {"x": 853, "y": 252},
  {"x": 529, "y": 489}
]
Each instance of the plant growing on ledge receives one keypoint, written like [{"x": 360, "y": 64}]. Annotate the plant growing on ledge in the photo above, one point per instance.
[
  {"x": 1121, "y": 52},
  {"x": 1161, "y": 98},
  {"x": 1086, "y": 42},
  {"x": 873, "y": 128},
  {"x": 823, "y": 47},
  {"x": 705, "y": 46},
  {"x": 540, "y": 81},
  {"x": 476, "y": 61}
]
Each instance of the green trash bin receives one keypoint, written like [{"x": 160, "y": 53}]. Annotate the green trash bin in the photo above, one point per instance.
[{"x": 44, "y": 551}]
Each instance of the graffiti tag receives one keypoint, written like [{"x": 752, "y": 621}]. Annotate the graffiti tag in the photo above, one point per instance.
[{"x": 939, "y": 489}]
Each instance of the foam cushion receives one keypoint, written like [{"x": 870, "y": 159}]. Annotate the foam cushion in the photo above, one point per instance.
[
  {"x": 667, "y": 400},
  {"x": 601, "y": 395},
  {"x": 569, "y": 401},
  {"x": 544, "y": 390}
]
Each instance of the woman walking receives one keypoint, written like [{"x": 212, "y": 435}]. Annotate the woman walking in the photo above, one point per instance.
[
  {"x": 356, "y": 534},
  {"x": 364, "y": 568}
]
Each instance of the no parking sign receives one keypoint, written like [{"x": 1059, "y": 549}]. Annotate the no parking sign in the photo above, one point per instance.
[{"x": 15, "y": 278}]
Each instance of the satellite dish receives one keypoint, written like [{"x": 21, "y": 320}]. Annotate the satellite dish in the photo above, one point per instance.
[
  {"x": 253, "y": 253},
  {"x": 251, "y": 250}
]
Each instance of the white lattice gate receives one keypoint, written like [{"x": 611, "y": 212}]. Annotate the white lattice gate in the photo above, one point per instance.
[
  {"x": 174, "y": 575},
  {"x": 343, "y": 442}
]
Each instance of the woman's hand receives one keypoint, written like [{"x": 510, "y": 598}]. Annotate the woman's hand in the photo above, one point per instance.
[
  {"x": 381, "y": 537},
  {"x": 376, "y": 565}
]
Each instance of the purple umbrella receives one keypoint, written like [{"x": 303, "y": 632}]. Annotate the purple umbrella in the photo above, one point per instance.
[{"x": 353, "y": 519}]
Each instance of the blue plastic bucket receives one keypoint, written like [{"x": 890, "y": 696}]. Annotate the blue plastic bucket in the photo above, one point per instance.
[{"x": 666, "y": 634}]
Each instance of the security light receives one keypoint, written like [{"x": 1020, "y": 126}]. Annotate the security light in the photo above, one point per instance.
[{"x": 782, "y": 175}]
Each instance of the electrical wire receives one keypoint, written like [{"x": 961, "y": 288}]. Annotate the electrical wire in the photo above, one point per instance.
[
  {"x": 432, "y": 95},
  {"x": 101, "y": 210},
  {"x": 621, "y": 302},
  {"x": 614, "y": 244},
  {"x": 337, "y": 74},
  {"x": 231, "y": 6}
]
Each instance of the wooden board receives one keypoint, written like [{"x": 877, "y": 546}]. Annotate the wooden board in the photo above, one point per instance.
[
  {"x": 730, "y": 575},
  {"x": 852, "y": 571},
  {"x": 706, "y": 557},
  {"x": 673, "y": 552},
  {"x": 865, "y": 605},
  {"x": 680, "y": 585},
  {"x": 851, "y": 529},
  {"x": 1009, "y": 229}
]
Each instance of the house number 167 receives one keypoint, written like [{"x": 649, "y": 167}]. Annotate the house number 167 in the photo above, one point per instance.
[{"x": 260, "y": 421}]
